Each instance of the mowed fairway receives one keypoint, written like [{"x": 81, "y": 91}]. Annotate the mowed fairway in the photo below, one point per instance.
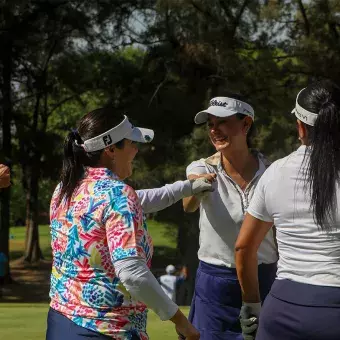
[{"x": 28, "y": 321}]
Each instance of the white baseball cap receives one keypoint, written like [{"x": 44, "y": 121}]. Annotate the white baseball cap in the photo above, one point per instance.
[
  {"x": 170, "y": 269},
  {"x": 302, "y": 114},
  {"x": 124, "y": 130},
  {"x": 224, "y": 107}
]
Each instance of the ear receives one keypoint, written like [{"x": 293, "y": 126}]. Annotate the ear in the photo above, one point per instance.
[
  {"x": 302, "y": 131},
  {"x": 247, "y": 121},
  {"x": 110, "y": 151}
]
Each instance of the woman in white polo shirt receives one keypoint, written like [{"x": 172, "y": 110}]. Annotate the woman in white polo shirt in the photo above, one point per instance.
[
  {"x": 300, "y": 194},
  {"x": 237, "y": 169}
]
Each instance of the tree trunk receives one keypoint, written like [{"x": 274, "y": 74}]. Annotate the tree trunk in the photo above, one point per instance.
[
  {"x": 6, "y": 144},
  {"x": 32, "y": 250}
]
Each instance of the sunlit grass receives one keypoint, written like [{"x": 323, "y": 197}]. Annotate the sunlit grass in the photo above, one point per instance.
[{"x": 28, "y": 321}]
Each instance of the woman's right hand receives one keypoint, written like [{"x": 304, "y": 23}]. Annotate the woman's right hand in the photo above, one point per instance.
[{"x": 184, "y": 328}]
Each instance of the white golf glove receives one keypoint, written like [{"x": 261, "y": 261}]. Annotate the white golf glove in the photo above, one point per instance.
[
  {"x": 249, "y": 319},
  {"x": 201, "y": 187}
]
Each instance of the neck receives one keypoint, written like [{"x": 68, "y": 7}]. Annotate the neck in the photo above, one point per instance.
[{"x": 235, "y": 160}]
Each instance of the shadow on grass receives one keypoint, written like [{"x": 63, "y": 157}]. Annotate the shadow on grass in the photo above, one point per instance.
[
  {"x": 17, "y": 254},
  {"x": 32, "y": 281}
]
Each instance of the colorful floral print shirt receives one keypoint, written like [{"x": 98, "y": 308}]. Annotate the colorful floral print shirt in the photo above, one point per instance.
[{"x": 102, "y": 223}]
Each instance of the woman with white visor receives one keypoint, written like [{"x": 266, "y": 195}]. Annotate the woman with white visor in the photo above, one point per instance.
[
  {"x": 101, "y": 283},
  {"x": 237, "y": 169},
  {"x": 300, "y": 194}
]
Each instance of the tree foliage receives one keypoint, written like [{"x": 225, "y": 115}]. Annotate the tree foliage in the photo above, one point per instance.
[{"x": 159, "y": 62}]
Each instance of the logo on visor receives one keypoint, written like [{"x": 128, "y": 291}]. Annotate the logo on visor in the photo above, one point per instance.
[
  {"x": 215, "y": 102},
  {"x": 107, "y": 140},
  {"x": 300, "y": 115}
]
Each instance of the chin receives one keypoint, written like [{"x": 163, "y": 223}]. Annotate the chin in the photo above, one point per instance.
[{"x": 220, "y": 147}]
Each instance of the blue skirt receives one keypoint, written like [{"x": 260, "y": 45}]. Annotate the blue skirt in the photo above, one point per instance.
[
  {"x": 217, "y": 300},
  {"x": 298, "y": 311},
  {"x": 59, "y": 327}
]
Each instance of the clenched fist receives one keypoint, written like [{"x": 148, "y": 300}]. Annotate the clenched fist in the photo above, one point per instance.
[{"x": 5, "y": 176}]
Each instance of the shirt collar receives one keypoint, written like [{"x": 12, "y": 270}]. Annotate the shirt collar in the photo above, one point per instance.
[
  {"x": 264, "y": 163},
  {"x": 100, "y": 173},
  {"x": 303, "y": 148}
]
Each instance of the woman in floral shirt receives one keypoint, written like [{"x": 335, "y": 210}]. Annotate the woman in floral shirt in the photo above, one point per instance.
[{"x": 101, "y": 282}]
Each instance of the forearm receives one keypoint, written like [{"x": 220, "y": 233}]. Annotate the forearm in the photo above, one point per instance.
[
  {"x": 157, "y": 199},
  {"x": 143, "y": 286},
  {"x": 247, "y": 272}
]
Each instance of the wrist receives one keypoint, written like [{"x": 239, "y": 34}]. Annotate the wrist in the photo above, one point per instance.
[
  {"x": 254, "y": 308},
  {"x": 187, "y": 188}
]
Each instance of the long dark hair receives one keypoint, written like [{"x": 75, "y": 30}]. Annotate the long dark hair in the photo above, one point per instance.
[
  {"x": 323, "y": 168},
  {"x": 76, "y": 158}
]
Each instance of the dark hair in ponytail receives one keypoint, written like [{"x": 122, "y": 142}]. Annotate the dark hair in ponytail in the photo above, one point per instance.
[
  {"x": 76, "y": 158},
  {"x": 323, "y": 168}
]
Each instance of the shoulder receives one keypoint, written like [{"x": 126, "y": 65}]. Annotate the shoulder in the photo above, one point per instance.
[
  {"x": 205, "y": 164},
  {"x": 121, "y": 190},
  {"x": 274, "y": 170},
  {"x": 117, "y": 195}
]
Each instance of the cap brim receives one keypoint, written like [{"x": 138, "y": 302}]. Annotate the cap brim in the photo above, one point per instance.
[
  {"x": 202, "y": 117},
  {"x": 141, "y": 135}
]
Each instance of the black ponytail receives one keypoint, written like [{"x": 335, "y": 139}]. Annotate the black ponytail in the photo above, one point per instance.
[
  {"x": 323, "y": 168},
  {"x": 76, "y": 159}
]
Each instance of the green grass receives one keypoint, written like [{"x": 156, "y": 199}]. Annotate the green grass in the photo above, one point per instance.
[
  {"x": 28, "y": 321},
  {"x": 163, "y": 235}
]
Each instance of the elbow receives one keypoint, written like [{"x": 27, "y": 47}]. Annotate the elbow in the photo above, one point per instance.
[
  {"x": 189, "y": 209},
  {"x": 189, "y": 205},
  {"x": 244, "y": 254},
  {"x": 186, "y": 209}
]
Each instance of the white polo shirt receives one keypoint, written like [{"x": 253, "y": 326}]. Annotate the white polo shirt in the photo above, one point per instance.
[
  {"x": 307, "y": 254},
  {"x": 222, "y": 212}
]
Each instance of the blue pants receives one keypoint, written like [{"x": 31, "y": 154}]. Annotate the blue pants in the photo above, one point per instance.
[
  {"x": 298, "y": 311},
  {"x": 217, "y": 300},
  {"x": 59, "y": 327}
]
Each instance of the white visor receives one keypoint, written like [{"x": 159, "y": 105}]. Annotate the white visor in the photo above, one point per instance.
[
  {"x": 302, "y": 114},
  {"x": 224, "y": 107},
  {"x": 124, "y": 130}
]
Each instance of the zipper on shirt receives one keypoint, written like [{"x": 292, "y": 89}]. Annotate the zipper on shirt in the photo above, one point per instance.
[{"x": 244, "y": 195}]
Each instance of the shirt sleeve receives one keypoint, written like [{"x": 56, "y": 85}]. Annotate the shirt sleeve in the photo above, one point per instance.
[
  {"x": 196, "y": 168},
  {"x": 143, "y": 286},
  {"x": 157, "y": 199},
  {"x": 124, "y": 225},
  {"x": 258, "y": 207}
]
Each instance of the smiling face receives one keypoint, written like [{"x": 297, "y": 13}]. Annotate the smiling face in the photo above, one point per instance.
[
  {"x": 119, "y": 159},
  {"x": 228, "y": 132}
]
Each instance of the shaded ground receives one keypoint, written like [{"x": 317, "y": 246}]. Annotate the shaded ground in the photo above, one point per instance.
[{"x": 31, "y": 283}]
